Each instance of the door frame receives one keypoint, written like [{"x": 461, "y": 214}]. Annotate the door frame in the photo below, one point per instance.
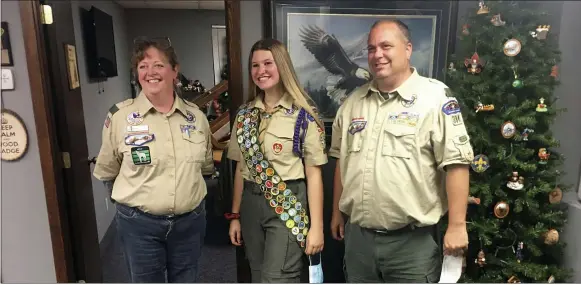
[{"x": 50, "y": 158}]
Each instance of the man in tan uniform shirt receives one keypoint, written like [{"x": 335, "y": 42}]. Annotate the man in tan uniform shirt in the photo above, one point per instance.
[
  {"x": 395, "y": 147},
  {"x": 155, "y": 163}
]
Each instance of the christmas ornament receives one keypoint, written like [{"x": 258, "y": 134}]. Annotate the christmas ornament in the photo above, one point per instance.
[
  {"x": 556, "y": 195},
  {"x": 551, "y": 237},
  {"x": 451, "y": 67},
  {"x": 501, "y": 209},
  {"x": 541, "y": 32},
  {"x": 473, "y": 200},
  {"x": 512, "y": 47},
  {"x": 541, "y": 107},
  {"x": 551, "y": 279},
  {"x": 465, "y": 30},
  {"x": 543, "y": 155},
  {"x": 519, "y": 252},
  {"x": 554, "y": 71},
  {"x": 496, "y": 21},
  {"x": 480, "y": 258},
  {"x": 480, "y": 163},
  {"x": 513, "y": 279},
  {"x": 517, "y": 83},
  {"x": 525, "y": 134},
  {"x": 474, "y": 64},
  {"x": 483, "y": 9},
  {"x": 516, "y": 182},
  {"x": 481, "y": 107},
  {"x": 508, "y": 129}
]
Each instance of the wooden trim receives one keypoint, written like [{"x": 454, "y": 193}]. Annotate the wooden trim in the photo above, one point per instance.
[
  {"x": 235, "y": 85},
  {"x": 212, "y": 93},
  {"x": 45, "y": 131}
]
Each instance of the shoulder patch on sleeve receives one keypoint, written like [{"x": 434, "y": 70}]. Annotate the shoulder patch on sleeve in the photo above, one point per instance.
[
  {"x": 451, "y": 107},
  {"x": 113, "y": 109}
]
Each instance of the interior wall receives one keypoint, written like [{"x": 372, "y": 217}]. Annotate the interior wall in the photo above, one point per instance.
[
  {"x": 99, "y": 97},
  {"x": 27, "y": 255},
  {"x": 190, "y": 32}
]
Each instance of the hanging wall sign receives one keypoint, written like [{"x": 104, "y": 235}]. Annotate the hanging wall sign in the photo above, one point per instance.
[{"x": 14, "y": 136}]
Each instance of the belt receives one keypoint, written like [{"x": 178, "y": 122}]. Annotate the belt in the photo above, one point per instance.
[{"x": 405, "y": 229}]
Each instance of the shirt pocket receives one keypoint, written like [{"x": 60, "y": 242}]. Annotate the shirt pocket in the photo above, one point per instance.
[
  {"x": 354, "y": 142},
  {"x": 278, "y": 142},
  {"x": 195, "y": 146},
  {"x": 139, "y": 158},
  {"x": 398, "y": 141}
]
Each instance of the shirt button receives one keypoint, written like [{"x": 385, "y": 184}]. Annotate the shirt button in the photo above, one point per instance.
[{"x": 172, "y": 193}]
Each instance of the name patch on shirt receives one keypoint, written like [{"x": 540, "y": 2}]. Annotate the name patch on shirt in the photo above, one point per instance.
[
  {"x": 409, "y": 119},
  {"x": 451, "y": 107},
  {"x": 141, "y": 155},
  {"x": 138, "y": 129},
  {"x": 357, "y": 125},
  {"x": 138, "y": 139}
]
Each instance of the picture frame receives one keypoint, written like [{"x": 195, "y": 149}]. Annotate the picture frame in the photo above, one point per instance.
[
  {"x": 72, "y": 66},
  {"x": 432, "y": 26},
  {"x": 5, "y": 46}
]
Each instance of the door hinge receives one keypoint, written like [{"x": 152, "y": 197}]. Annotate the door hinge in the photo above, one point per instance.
[
  {"x": 66, "y": 159},
  {"x": 46, "y": 14}
]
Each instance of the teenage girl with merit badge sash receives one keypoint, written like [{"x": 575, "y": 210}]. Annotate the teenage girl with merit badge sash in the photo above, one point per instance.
[
  {"x": 278, "y": 190},
  {"x": 154, "y": 152}
]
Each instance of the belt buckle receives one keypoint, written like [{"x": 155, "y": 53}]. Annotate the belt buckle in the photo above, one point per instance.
[{"x": 381, "y": 231}]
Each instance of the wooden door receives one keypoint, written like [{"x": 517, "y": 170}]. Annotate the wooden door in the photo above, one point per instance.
[{"x": 67, "y": 105}]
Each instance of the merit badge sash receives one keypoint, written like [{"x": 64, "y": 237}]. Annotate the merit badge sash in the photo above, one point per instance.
[{"x": 284, "y": 203}]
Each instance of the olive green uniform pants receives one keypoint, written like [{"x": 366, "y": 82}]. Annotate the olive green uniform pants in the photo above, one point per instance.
[
  {"x": 408, "y": 255},
  {"x": 272, "y": 250}
]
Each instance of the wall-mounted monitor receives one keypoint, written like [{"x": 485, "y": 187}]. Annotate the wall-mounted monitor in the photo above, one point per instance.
[{"x": 99, "y": 41}]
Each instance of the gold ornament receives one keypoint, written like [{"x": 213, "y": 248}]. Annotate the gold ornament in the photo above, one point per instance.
[
  {"x": 496, "y": 21},
  {"x": 501, "y": 209},
  {"x": 483, "y": 9},
  {"x": 556, "y": 195},
  {"x": 552, "y": 237},
  {"x": 541, "y": 32},
  {"x": 513, "y": 279}
]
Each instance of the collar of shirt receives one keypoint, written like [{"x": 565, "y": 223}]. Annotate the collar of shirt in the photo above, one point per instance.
[
  {"x": 144, "y": 105},
  {"x": 286, "y": 101},
  {"x": 406, "y": 90}
]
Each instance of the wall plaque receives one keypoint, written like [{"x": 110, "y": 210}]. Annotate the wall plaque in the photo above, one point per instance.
[{"x": 14, "y": 136}]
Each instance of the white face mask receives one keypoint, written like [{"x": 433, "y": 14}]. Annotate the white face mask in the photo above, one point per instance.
[{"x": 315, "y": 268}]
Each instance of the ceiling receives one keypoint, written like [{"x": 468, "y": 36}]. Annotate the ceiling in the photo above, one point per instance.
[{"x": 173, "y": 4}]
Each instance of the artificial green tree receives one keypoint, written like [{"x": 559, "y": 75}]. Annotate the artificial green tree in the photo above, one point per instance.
[{"x": 503, "y": 74}]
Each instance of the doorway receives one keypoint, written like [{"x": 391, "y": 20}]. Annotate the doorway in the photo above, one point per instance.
[{"x": 74, "y": 104}]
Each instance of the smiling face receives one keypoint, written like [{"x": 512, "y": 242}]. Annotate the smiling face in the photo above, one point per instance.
[
  {"x": 389, "y": 51},
  {"x": 155, "y": 73},
  {"x": 264, "y": 71}
]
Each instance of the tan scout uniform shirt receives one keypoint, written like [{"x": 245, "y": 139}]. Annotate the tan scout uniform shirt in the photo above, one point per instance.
[
  {"x": 277, "y": 144},
  {"x": 393, "y": 152},
  {"x": 167, "y": 177}
]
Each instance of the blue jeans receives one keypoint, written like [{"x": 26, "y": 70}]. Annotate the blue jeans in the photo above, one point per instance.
[{"x": 157, "y": 247}]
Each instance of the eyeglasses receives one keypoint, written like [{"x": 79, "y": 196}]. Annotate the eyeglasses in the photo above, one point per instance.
[{"x": 163, "y": 42}]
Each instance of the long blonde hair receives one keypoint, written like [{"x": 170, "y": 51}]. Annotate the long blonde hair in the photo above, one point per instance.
[{"x": 288, "y": 77}]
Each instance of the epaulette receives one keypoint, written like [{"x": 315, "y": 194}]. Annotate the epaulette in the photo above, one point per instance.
[
  {"x": 191, "y": 104},
  {"x": 120, "y": 105}
]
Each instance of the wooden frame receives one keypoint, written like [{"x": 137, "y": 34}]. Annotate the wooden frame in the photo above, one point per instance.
[
  {"x": 7, "y": 59},
  {"x": 72, "y": 66},
  {"x": 43, "y": 108}
]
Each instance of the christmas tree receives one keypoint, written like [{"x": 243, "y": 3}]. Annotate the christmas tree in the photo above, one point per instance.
[{"x": 503, "y": 75}]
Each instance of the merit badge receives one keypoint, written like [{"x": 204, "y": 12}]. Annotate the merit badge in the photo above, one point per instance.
[
  {"x": 138, "y": 139},
  {"x": 508, "y": 129},
  {"x": 190, "y": 118},
  {"x": 451, "y": 107},
  {"x": 134, "y": 118},
  {"x": 141, "y": 155},
  {"x": 480, "y": 163},
  {"x": 357, "y": 125},
  {"x": 277, "y": 147},
  {"x": 409, "y": 103},
  {"x": 543, "y": 155}
]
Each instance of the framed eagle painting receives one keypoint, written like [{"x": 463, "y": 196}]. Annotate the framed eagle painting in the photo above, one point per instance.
[{"x": 327, "y": 41}]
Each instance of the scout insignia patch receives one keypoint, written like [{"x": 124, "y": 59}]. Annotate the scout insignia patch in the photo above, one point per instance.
[
  {"x": 187, "y": 129},
  {"x": 134, "y": 118},
  {"x": 409, "y": 103},
  {"x": 275, "y": 191},
  {"x": 138, "y": 139},
  {"x": 190, "y": 118},
  {"x": 357, "y": 125},
  {"x": 451, "y": 107},
  {"x": 141, "y": 155}
]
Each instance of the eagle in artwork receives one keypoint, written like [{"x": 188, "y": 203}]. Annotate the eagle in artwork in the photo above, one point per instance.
[{"x": 346, "y": 74}]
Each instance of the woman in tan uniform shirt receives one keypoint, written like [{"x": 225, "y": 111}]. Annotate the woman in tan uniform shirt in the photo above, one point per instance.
[{"x": 279, "y": 142}]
